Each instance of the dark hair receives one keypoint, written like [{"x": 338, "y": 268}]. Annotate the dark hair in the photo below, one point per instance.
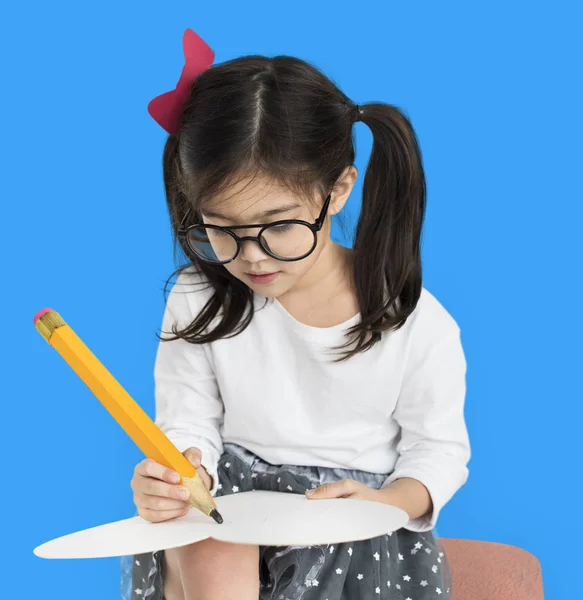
[{"x": 283, "y": 119}]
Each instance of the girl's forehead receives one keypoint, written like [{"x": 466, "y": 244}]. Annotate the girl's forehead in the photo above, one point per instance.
[{"x": 253, "y": 203}]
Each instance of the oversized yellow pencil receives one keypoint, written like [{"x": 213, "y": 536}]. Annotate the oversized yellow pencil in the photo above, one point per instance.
[{"x": 123, "y": 408}]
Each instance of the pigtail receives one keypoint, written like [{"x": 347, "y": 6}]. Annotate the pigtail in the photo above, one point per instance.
[{"x": 387, "y": 256}]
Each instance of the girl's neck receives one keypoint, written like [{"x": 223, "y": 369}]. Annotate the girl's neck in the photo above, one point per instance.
[{"x": 326, "y": 296}]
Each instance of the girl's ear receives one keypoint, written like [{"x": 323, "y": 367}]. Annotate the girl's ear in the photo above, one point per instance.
[{"x": 342, "y": 189}]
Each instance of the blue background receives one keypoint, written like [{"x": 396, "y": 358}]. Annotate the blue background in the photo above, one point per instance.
[{"x": 492, "y": 91}]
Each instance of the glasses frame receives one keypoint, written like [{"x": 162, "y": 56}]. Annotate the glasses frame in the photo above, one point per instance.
[{"x": 314, "y": 227}]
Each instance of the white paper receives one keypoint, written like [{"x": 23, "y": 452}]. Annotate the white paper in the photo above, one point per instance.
[{"x": 257, "y": 517}]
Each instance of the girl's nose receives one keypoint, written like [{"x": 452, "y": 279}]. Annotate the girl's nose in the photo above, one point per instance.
[{"x": 252, "y": 252}]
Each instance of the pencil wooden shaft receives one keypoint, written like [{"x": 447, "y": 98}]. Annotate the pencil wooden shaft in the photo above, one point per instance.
[{"x": 128, "y": 413}]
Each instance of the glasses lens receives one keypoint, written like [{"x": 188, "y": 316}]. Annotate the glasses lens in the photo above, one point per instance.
[
  {"x": 212, "y": 245},
  {"x": 289, "y": 240}
]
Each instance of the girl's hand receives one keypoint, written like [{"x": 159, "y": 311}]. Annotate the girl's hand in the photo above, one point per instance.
[
  {"x": 348, "y": 488},
  {"x": 158, "y": 494},
  {"x": 405, "y": 493}
]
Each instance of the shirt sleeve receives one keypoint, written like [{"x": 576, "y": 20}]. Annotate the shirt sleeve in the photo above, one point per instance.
[
  {"x": 189, "y": 409},
  {"x": 434, "y": 446}
]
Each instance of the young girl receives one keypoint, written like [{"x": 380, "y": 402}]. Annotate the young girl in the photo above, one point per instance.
[{"x": 295, "y": 364}]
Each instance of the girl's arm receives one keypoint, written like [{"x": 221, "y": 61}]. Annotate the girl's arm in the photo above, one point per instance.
[
  {"x": 410, "y": 495},
  {"x": 189, "y": 409},
  {"x": 434, "y": 447}
]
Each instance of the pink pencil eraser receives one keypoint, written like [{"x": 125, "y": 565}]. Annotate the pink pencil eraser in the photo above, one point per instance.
[{"x": 40, "y": 313}]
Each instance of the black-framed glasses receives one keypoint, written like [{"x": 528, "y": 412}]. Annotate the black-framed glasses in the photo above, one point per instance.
[{"x": 287, "y": 240}]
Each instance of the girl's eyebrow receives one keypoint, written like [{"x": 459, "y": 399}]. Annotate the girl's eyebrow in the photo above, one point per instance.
[{"x": 257, "y": 216}]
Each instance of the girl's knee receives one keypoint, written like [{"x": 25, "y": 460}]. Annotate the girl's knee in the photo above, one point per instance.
[
  {"x": 224, "y": 558},
  {"x": 215, "y": 567}
]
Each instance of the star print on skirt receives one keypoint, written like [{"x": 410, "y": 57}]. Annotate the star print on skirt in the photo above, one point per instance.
[{"x": 404, "y": 565}]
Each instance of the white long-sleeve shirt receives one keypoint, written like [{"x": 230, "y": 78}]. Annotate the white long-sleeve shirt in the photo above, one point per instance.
[{"x": 274, "y": 390}]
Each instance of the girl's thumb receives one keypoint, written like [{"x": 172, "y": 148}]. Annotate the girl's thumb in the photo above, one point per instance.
[{"x": 193, "y": 455}]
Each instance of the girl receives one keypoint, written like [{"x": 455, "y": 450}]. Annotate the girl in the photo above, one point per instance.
[{"x": 296, "y": 364}]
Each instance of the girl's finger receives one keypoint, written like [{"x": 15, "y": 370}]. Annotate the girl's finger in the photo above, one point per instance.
[
  {"x": 150, "y": 468},
  {"x": 158, "y": 502},
  {"x": 338, "y": 489},
  {"x": 194, "y": 455},
  {"x": 155, "y": 487}
]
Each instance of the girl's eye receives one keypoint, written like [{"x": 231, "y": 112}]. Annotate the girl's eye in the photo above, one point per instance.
[
  {"x": 218, "y": 233},
  {"x": 284, "y": 228}
]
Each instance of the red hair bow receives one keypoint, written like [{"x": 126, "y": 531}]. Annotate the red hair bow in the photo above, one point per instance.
[{"x": 166, "y": 109}]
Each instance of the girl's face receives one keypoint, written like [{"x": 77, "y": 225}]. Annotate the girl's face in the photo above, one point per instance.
[{"x": 263, "y": 203}]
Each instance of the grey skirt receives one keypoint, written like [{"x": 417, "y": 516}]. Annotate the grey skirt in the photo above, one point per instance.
[{"x": 404, "y": 565}]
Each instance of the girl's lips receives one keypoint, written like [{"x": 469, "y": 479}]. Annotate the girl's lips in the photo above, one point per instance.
[{"x": 264, "y": 278}]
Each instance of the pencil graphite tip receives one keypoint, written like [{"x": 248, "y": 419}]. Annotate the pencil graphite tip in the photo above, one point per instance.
[{"x": 216, "y": 515}]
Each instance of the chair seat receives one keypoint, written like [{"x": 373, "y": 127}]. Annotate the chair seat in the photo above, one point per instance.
[{"x": 490, "y": 570}]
